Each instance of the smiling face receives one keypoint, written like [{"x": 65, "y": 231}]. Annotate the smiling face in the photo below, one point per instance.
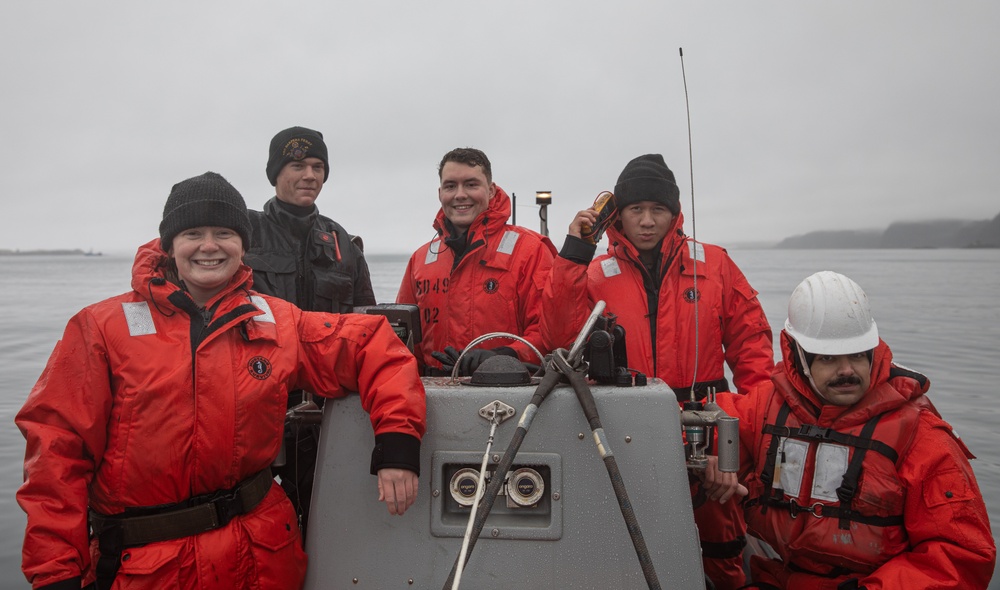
[
  {"x": 465, "y": 193},
  {"x": 645, "y": 223},
  {"x": 843, "y": 379},
  {"x": 300, "y": 182},
  {"x": 206, "y": 257}
]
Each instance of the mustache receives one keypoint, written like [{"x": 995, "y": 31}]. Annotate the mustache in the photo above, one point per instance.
[{"x": 842, "y": 381}]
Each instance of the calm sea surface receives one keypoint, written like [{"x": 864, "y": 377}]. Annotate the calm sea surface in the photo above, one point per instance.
[{"x": 937, "y": 309}]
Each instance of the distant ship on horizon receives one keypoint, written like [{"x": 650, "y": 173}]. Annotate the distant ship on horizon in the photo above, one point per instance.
[{"x": 59, "y": 252}]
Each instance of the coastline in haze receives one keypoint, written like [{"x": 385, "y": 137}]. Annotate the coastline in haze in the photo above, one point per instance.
[{"x": 942, "y": 233}]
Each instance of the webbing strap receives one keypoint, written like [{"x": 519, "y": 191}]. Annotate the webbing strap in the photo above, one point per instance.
[
  {"x": 723, "y": 549},
  {"x": 812, "y": 432},
  {"x": 172, "y": 522},
  {"x": 849, "y": 484},
  {"x": 767, "y": 474},
  {"x": 700, "y": 389},
  {"x": 835, "y": 572},
  {"x": 820, "y": 510},
  {"x": 110, "y": 546}
]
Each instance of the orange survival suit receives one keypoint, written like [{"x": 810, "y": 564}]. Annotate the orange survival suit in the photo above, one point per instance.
[
  {"x": 496, "y": 286},
  {"x": 148, "y": 401},
  {"x": 660, "y": 331},
  {"x": 877, "y": 495}
]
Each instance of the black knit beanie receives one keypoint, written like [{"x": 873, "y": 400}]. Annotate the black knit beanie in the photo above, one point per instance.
[
  {"x": 295, "y": 143},
  {"x": 206, "y": 200},
  {"x": 647, "y": 178}
]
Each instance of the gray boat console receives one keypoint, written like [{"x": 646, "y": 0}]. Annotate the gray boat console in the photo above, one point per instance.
[{"x": 556, "y": 524}]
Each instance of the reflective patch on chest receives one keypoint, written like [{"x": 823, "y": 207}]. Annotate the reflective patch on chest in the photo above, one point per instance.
[
  {"x": 828, "y": 472},
  {"x": 831, "y": 465},
  {"x": 507, "y": 242},
  {"x": 262, "y": 305},
  {"x": 432, "y": 252},
  {"x": 792, "y": 455},
  {"x": 610, "y": 267},
  {"x": 696, "y": 250},
  {"x": 138, "y": 318}
]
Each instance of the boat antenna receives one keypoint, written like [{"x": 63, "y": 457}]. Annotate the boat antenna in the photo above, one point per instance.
[{"x": 694, "y": 226}]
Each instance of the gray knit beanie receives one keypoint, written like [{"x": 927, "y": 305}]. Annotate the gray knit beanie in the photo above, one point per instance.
[
  {"x": 647, "y": 178},
  {"x": 295, "y": 143},
  {"x": 206, "y": 200}
]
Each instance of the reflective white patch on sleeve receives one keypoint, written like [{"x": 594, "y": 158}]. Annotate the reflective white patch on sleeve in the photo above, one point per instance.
[
  {"x": 262, "y": 305},
  {"x": 139, "y": 319},
  {"x": 791, "y": 469},
  {"x": 610, "y": 267},
  {"x": 507, "y": 242},
  {"x": 696, "y": 250},
  {"x": 831, "y": 465}
]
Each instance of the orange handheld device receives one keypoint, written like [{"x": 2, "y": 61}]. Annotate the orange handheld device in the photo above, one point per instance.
[{"x": 607, "y": 211}]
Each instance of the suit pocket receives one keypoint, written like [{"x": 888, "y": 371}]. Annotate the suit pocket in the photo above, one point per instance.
[
  {"x": 152, "y": 566},
  {"x": 273, "y": 274},
  {"x": 334, "y": 291},
  {"x": 275, "y": 543}
]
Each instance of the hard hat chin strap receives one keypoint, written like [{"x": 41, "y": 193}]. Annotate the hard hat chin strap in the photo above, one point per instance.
[{"x": 805, "y": 369}]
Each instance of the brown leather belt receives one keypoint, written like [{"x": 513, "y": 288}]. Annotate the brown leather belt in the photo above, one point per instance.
[{"x": 194, "y": 516}]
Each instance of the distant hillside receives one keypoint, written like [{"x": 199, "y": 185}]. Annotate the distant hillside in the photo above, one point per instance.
[
  {"x": 870, "y": 238},
  {"x": 945, "y": 233}
]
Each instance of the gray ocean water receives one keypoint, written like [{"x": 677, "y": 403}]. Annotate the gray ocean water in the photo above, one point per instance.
[{"x": 937, "y": 309}]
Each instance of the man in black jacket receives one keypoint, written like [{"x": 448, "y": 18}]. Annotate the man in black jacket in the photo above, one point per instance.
[
  {"x": 310, "y": 260},
  {"x": 298, "y": 254}
]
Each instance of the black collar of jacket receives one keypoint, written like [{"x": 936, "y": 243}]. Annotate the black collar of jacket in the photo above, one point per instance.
[{"x": 298, "y": 219}]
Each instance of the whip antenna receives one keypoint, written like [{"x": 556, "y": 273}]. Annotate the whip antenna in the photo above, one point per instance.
[
  {"x": 694, "y": 226},
  {"x": 687, "y": 107}
]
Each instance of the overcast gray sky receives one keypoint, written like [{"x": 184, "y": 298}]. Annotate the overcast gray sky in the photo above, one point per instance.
[{"x": 806, "y": 115}]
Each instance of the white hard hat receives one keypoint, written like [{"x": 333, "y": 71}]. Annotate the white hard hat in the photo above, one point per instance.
[{"x": 828, "y": 313}]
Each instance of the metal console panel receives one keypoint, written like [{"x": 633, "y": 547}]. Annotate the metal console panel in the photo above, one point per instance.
[
  {"x": 559, "y": 527},
  {"x": 541, "y": 520}
]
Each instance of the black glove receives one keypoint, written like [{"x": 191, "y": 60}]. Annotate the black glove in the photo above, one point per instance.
[{"x": 470, "y": 362}]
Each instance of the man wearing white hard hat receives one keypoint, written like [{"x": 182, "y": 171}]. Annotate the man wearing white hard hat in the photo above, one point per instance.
[{"x": 854, "y": 478}]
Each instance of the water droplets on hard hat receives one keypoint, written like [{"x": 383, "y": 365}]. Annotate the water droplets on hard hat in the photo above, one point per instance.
[{"x": 828, "y": 313}]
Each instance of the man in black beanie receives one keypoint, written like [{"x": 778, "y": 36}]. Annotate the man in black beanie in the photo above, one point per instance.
[
  {"x": 687, "y": 311},
  {"x": 308, "y": 259},
  {"x": 648, "y": 178}
]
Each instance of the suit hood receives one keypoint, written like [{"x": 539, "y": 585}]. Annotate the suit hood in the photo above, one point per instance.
[
  {"x": 886, "y": 391},
  {"x": 149, "y": 273},
  {"x": 491, "y": 220}
]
